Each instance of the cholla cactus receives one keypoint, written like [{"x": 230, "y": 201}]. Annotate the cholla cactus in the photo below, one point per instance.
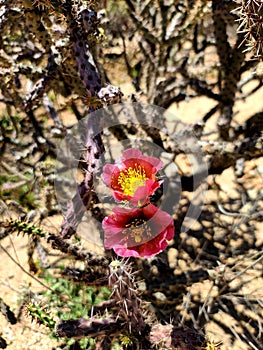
[
  {"x": 121, "y": 280},
  {"x": 24, "y": 228},
  {"x": 251, "y": 24},
  {"x": 39, "y": 314},
  {"x": 179, "y": 338},
  {"x": 186, "y": 339}
]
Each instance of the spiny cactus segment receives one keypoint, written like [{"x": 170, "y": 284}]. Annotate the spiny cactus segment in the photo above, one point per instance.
[
  {"x": 39, "y": 314},
  {"x": 179, "y": 338},
  {"x": 124, "y": 291},
  {"x": 25, "y": 228},
  {"x": 251, "y": 25}
]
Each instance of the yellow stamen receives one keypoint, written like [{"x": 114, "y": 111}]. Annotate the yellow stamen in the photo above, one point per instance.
[
  {"x": 132, "y": 178},
  {"x": 137, "y": 229}
]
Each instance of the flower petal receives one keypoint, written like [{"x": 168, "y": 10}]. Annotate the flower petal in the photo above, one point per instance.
[
  {"x": 107, "y": 173},
  {"x": 133, "y": 153},
  {"x": 159, "y": 220},
  {"x": 129, "y": 233},
  {"x": 133, "y": 177}
]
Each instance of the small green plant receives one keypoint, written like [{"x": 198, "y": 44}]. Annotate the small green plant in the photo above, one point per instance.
[
  {"x": 72, "y": 300},
  {"x": 19, "y": 190},
  {"x": 65, "y": 300}
]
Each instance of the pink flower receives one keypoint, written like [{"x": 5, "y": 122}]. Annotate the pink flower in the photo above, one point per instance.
[
  {"x": 133, "y": 178},
  {"x": 138, "y": 232}
]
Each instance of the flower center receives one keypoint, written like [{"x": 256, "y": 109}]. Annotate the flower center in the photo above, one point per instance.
[
  {"x": 137, "y": 229},
  {"x": 132, "y": 178}
]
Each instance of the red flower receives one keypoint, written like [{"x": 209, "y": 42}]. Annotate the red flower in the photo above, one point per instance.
[
  {"x": 138, "y": 232},
  {"x": 133, "y": 178}
]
